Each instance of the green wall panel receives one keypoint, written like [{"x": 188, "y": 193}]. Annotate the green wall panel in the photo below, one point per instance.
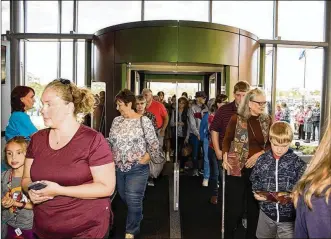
[
  {"x": 209, "y": 46},
  {"x": 146, "y": 44}
]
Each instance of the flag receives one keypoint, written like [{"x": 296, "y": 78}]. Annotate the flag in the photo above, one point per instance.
[{"x": 302, "y": 55}]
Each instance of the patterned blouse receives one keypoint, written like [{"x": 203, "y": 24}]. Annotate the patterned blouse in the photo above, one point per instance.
[{"x": 128, "y": 142}]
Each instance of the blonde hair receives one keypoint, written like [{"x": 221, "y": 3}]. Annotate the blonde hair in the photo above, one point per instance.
[
  {"x": 243, "y": 109},
  {"x": 82, "y": 98},
  {"x": 281, "y": 133},
  {"x": 317, "y": 177}
]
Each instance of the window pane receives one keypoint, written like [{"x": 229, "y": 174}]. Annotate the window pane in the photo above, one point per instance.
[
  {"x": 42, "y": 16},
  {"x": 253, "y": 16},
  {"x": 95, "y": 15},
  {"x": 5, "y": 11},
  {"x": 81, "y": 64},
  {"x": 67, "y": 16},
  {"x": 301, "y": 20},
  {"x": 177, "y": 10},
  {"x": 67, "y": 60},
  {"x": 299, "y": 82},
  {"x": 41, "y": 68}
]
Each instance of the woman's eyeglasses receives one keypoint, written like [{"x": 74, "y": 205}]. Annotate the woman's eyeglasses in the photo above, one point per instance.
[{"x": 262, "y": 103}]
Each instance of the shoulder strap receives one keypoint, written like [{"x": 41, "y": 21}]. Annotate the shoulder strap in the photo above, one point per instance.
[{"x": 142, "y": 126}]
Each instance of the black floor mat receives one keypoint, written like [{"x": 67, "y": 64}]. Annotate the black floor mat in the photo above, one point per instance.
[
  {"x": 155, "y": 224},
  {"x": 199, "y": 218}
]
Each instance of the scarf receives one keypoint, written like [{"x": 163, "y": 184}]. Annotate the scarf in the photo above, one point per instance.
[{"x": 238, "y": 153}]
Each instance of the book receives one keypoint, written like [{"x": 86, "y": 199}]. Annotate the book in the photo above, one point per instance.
[{"x": 277, "y": 197}]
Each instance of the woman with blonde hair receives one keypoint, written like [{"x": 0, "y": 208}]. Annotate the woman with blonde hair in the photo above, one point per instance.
[
  {"x": 312, "y": 194},
  {"x": 246, "y": 139},
  {"x": 73, "y": 165}
]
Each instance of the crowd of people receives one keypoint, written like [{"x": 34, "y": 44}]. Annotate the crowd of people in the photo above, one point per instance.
[
  {"x": 306, "y": 120},
  {"x": 57, "y": 179}
]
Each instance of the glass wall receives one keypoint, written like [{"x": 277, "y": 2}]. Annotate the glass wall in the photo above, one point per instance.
[
  {"x": 67, "y": 60},
  {"x": 301, "y": 20},
  {"x": 177, "y": 10},
  {"x": 42, "y": 16},
  {"x": 299, "y": 83},
  {"x": 5, "y": 17},
  {"x": 246, "y": 15},
  {"x": 95, "y": 15},
  {"x": 41, "y": 68}
]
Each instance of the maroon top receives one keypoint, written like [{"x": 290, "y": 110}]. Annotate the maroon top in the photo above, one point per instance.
[
  {"x": 68, "y": 217},
  {"x": 221, "y": 120}
]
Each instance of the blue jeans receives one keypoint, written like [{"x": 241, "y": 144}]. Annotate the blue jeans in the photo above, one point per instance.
[
  {"x": 131, "y": 187},
  {"x": 215, "y": 172},
  {"x": 206, "y": 168},
  {"x": 195, "y": 150}
]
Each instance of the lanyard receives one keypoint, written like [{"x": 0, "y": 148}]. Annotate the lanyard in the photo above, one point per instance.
[{"x": 19, "y": 196}]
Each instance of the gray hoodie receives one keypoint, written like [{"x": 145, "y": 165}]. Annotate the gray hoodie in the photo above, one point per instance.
[{"x": 194, "y": 121}]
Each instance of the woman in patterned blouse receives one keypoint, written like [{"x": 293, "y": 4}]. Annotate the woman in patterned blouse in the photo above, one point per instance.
[{"x": 130, "y": 136}]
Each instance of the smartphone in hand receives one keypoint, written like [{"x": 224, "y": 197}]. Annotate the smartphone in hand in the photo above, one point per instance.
[{"x": 37, "y": 186}]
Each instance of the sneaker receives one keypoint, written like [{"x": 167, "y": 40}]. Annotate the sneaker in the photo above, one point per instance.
[
  {"x": 129, "y": 236},
  {"x": 213, "y": 200},
  {"x": 205, "y": 182},
  {"x": 168, "y": 157},
  {"x": 244, "y": 222},
  {"x": 150, "y": 183},
  {"x": 195, "y": 172}
]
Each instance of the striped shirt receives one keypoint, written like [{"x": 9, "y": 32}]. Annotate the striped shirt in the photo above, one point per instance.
[{"x": 221, "y": 120}]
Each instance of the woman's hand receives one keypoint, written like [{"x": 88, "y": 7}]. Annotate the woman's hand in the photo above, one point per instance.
[
  {"x": 225, "y": 163},
  {"x": 145, "y": 159},
  {"x": 259, "y": 197},
  {"x": 49, "y": 192},
  {"x": 36, "y": 198},
  {"x": 252, "y": 160},
  {"x": 7, "y": 201}
]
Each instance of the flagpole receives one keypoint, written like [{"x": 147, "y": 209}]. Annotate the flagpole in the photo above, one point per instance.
[{"x": 304, "y": 80}]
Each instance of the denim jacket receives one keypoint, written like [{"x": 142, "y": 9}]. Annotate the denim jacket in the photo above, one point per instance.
[{"x": 280, "y": 175}]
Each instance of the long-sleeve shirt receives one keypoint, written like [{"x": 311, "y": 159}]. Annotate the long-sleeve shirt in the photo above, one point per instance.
[
  {"x": 221, "y": 120},
  {"x": 182, "y": 131},
  {"x": 256, "y": 143},
  {"x": 195, "y": 114},
  {"x": 277, "y": 175},
  {"x": 129, "y": 141},
  {"x": 313, "y": 223}
]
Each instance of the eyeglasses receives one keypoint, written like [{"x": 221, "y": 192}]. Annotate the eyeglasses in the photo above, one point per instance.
[
  {"x": 64, "y": 81},
  {"x": 260, "y": 103}
]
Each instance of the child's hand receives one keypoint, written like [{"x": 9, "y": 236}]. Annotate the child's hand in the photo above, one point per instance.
[
  {"x": 259, "y": 197},
  {"x": 7, "y": 201}
]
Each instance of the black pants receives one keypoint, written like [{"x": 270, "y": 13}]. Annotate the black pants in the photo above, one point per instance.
[
  {"x": 238, "y": 199},
  {"x": 182, "y": 159},
  {"x": 301, "y": 132}
]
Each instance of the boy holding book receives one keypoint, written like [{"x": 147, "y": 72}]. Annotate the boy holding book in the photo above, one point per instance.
[{"x": 273, "y": 178}]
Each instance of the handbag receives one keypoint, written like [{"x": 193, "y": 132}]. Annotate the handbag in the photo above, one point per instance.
[
  {"x": 187, "y": 150},
  {"x": 155, "y": 164}
]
